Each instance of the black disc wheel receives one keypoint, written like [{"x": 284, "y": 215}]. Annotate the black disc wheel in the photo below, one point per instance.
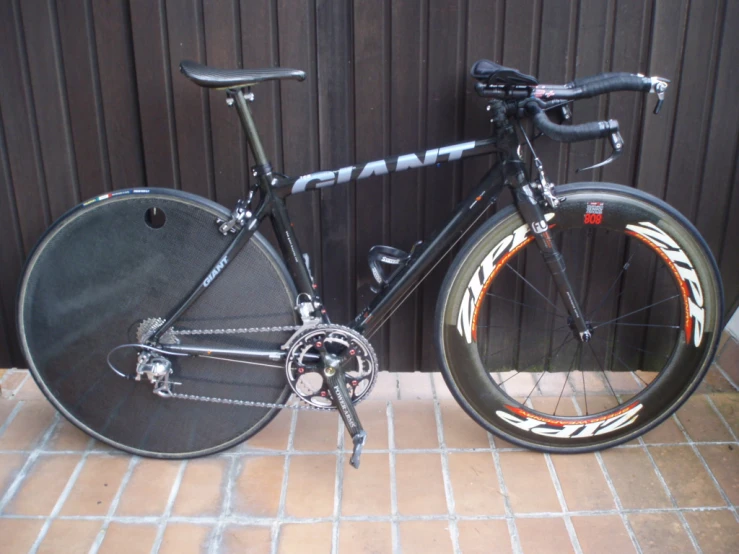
[
  {"x": 648, "y": 288},
  {"x": 107, "y": 274}
]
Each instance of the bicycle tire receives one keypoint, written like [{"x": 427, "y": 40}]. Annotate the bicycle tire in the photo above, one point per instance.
[
  {"x": 646, "y": 282},
  {"x": 114, "y": 262}
]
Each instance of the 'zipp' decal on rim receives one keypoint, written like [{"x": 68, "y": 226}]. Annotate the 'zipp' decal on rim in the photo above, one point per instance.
[
  {"x": 481, "y": 279},
  {"x": 682, "y": 269},
  {"x": 570, "y": 428}
]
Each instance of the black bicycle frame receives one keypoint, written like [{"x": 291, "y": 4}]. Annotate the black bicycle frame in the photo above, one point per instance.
[{"x": 275, "y": 188}]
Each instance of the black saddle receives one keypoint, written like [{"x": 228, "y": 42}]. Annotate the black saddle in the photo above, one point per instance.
[
  {"x": 491, "y": 73},
  {"x": 212, "y": 77}
]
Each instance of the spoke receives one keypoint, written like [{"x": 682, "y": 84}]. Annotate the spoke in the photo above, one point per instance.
[
  {"x": 567, "y": 339},
  {"x": 631, "y": 369},
  {"x": 584, "y": 392},
  {"x": 638, "y": 325},
  {"x": 567, "y": 379},
  {"x": 532, "y": 286},
  {"x": 534, "y": 387},
  {"x": 636, "y": 311},
  {"x": 524, "y": 304},
  {"x": 604, "y": 372},
  {"x": 610, "y": 290},
  {"x": 632, "y": 347}
]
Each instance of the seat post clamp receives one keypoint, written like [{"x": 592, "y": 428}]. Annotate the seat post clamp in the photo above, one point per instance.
[{"x": 260, "y": 170}]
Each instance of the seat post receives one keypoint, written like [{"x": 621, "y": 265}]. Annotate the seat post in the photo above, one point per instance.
[{"x": 251, "y": 129}]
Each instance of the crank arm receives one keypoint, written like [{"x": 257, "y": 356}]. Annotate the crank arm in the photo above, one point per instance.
[{"x": 340, "y": 396}]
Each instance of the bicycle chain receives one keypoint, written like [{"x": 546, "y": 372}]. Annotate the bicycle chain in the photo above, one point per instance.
[{"x": 237, "y": 331}]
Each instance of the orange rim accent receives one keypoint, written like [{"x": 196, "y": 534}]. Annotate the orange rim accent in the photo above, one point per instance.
[
  {"x": 560, "y": 422},
  {"x": 488, "y": 282},
  {"x": 682, "y": 284}
]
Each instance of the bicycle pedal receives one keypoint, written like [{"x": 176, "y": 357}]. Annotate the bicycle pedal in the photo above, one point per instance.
[{"x": 359, "y": 439}]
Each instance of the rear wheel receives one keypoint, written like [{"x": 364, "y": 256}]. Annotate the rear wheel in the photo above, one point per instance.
[
  {"x": 105, "y": 275},
  {"x": 648, "y": 287}
]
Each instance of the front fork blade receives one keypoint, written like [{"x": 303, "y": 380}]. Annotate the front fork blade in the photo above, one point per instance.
[{"x": 340, "y": 397}]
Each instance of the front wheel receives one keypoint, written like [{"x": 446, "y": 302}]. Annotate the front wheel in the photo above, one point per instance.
[{"x": 648, "y": 288}]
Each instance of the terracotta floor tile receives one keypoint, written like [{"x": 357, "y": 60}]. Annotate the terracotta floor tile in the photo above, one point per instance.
[
  {"x": 312, "y": 538},
  {"x": 18, "y": 535},
  {"x": 42, "y": 485},
  {"x": 660, "y": 533},
  {"x": 10, "y": 464},
  {"x": 373, "y": 414},
  {"x": 420, "y": 485},
  {"x": 729, "y": 360},
  {"x": 365, "y": 537},
  {"x": 386, "y": 387},
  {"x": 666, "y": 432},
  {"x": 126, "y": 538},
  {"x": 443, "y": 393},
  {"x": 96, "y": 486},
  {"x": 602, "y": 535},
  {"x": 69, "y": 536},
  {"x": 687, "y": 479},
  {"x": 415, "y": 424},
  {"x": 714, "y": 381},
  {"x": 201, "y": 490},
  {"x": 149, "y": 487},
  {"x": 316, "y": 431},
  {"x": 29, "y": 425},
  {"x": 310, "y": 486},
  {"x": 529, "y": 485},
  {"x": 723, "y": 459},
  {"x": 415, "y": 386},
  {"x": 475, "y": 484},
  {"x": 547, "y": 405},
  {"x": 258, "y": 486},
  {"x": 484, "y": 537},
  {"x": 701, "y": 422},
  {"x": 717, "y": 532},
  {"x": 246, "y": 539},
  {"x": 274, "y": 436},
  {"x": 12, "y": 382},
  {"x": 425, "y": 537},
  {"x": 67, "y": 437},
  {"x": 728, "y": 407},
  {"x": 29, "y": 391},
  {"x": 367, "y": 491},
  {"x": 543, "y": 535},
  {"x": 185, "y": 538},
  {"x": 635, "y": 480},
  {"x": 583, "y": 483},
  {"x": 460, "y": 430},
  {"x": 6, "y": 408}
]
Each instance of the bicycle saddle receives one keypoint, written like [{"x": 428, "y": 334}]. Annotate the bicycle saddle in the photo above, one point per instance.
[
  {"x": 494, "y": 74},
  {"x": 213, "y": 77}
]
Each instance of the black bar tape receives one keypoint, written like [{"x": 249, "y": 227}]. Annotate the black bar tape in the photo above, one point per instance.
[
  {"x": 582, "y": 81},
  {"x": 612, "y": 82},
  {"x": 571, "y": 133}
]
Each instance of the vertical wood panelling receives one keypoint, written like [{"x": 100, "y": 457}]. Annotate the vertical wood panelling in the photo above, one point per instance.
[{"x": 91, "y": 99}]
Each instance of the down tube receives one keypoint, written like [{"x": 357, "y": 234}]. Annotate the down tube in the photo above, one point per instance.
[{"x": 383, "y": 305}]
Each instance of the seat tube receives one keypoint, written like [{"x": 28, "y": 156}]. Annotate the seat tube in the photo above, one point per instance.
[{"x": 534, "y": 217}]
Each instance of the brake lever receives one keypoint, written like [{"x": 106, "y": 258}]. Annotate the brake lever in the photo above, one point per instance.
[{"x": 617, "y": 142}]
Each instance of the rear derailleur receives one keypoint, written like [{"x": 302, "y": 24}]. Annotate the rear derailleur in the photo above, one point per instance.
[
  {"x": 331, "y": 366},
  {"x": 157, "y": 369}
]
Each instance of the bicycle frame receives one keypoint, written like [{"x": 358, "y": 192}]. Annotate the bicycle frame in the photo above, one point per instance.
[{"x": 510, "y": 171}]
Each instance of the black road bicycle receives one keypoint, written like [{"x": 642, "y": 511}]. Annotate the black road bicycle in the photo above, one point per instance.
[{"x": 577, "y": 318}]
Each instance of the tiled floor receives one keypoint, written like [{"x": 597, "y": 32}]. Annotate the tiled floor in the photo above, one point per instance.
[{"x": 431, "y": 481}]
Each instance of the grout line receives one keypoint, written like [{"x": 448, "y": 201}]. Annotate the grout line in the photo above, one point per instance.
[
  {"x": 563, "y": 503},
  {"x": 445, "y": 475},
  {"x": 512, "y": 527},
  {"x": 114, "y": 505},
  {"x": 338, "y": 490},
  {"x": 721, "y": 417},
  {"x": 165, "y": 518},
  {"x": 679, "y": 513},
  {"x": 17, "y": 389},
  {"x": 215, "y": 543},
  {"x": 277, "y": 522},
  {"x": 707, "y": 468},
  {"x": 12, "y": 489},
  {"x": 62, "y": 499},
  {"x": 394, "y": 527},
  {"x": 11, "y": 417},
  {"x": 614, "y": 492}
]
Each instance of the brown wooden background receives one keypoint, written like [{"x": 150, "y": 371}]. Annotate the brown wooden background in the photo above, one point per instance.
[{"x": 91, "y": 100}]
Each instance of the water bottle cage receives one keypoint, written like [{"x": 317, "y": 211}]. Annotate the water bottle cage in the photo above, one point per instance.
[{"x": 387, "y": 255}]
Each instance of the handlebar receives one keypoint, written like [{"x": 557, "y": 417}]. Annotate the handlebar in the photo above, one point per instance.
[{"x": 571, "y": 133}]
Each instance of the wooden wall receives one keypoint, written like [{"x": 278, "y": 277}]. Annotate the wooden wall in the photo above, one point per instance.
[{"x": 91, "y": 100}]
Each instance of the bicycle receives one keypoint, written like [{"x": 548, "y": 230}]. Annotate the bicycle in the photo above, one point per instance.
[{"x": 130, "y": 321}]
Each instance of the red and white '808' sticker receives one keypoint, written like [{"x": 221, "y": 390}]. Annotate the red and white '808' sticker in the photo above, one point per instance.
[{"x": 593, "y": 213}]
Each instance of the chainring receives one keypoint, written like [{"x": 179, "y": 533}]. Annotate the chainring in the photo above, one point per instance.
[{"x": 305, "y": 372}]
